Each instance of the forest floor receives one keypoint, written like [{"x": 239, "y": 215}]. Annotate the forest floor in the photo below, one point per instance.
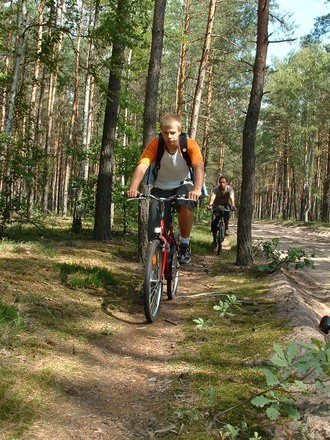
[
  {"x": 304, "y": 298},
  {"x": 121, "y": 388}
]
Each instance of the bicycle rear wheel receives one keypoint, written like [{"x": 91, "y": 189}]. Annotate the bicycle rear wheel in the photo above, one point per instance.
[
  {"x": 173, "y": 276},
  {"x": 220, "y": 236},
  {"x": 153, "y": 283}
]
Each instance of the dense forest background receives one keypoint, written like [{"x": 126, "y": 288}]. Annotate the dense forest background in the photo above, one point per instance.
[{"x": 55, "y": 60}]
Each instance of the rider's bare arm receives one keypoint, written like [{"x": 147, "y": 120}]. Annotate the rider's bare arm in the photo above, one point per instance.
[
  {"x": 198, "y": 181},
  {"x": 232, "y": 202},
  {"x": 212, "y": 198},
  {"x": 138, "y": 175}
]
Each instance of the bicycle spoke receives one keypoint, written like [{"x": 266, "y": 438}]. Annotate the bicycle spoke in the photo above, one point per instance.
[
  {"x": 173, "y": 276},
  {"x": 153, "y": 285}
]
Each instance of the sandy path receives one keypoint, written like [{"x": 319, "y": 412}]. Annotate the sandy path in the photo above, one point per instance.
[{"x": 303, "y": 297}]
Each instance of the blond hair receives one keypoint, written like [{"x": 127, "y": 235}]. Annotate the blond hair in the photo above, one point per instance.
[{"x": 169, "y": 118}]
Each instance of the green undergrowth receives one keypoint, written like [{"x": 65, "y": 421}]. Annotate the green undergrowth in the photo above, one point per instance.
[
  {"x": 58, "y": 292},
  {"x": 221, "y": 356},
  {"x": 54, "y": 286}
]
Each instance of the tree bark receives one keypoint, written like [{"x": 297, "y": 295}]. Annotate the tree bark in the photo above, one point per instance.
[
  {"x": 51, "y": 105},
  {"x": 88, "y": 105},
  {"x": 183, "y": 60},
  {"x": 207, "y": 124},
  {"x": 202, "y": 70},
  {"x": 13, "y": 91},
  {"x": 244, "y": 236},
  {"x": 73, "y": 118},
  {"x": 102, "y": 222},
  {"x": 326, "y": 186},
  {"x": 150, "y": 106}
]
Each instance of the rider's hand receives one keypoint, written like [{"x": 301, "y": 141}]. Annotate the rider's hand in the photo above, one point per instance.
[
  {"x": 132, "y": 193},
  {"x": 194, "y": 195}
]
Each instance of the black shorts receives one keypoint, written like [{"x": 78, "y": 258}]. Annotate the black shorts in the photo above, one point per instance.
[
  {"x": 216, "y": 216},
  {"x": 154, "y": 217}
]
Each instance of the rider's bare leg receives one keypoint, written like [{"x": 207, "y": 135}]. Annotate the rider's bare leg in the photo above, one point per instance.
[{"x": 185, "y": 219}]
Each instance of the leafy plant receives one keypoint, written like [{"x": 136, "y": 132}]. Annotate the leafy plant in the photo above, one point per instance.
[
  {"x": 232, "y": 432},
  {"x": 225, "y": 305},
  {"x": 289, "y": 374},
  {"x": 188, "y": 414},
  {"x": 294, "y": 256},
  {"x": 201, "y": 322},
  {"x": 107, "y": 330}
]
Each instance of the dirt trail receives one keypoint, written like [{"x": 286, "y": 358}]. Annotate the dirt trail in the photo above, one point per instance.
[
  {"x": 303, "y": 297},
  {"x": 310, "y": 287},
  {"x": 129, "y": 372}
]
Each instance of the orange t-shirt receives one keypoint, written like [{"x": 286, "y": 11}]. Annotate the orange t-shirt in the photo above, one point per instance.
[
  {"x": 149, "y": 154},
  {"x": 173, "y": 169}
]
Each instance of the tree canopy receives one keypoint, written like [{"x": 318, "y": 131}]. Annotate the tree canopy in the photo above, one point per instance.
[{"x": 55, "y": 62}]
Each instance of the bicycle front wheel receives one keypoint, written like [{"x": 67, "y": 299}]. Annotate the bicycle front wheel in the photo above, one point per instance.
[
  {"x": 220, "y": 236},
  {"x": 153, "y": 283},
  {"x": 173, "y": 276}
]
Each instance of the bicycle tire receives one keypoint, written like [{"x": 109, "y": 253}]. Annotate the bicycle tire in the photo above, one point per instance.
[
  {"x": 220, "y": 236},
  {"x": 153, "y": 283},
  {"x": 173, "y": 276}
]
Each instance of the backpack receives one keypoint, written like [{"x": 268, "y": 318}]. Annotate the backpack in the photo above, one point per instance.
[
  {"x": 161, "y": 149},
  {"x": 153, "y": 169}
]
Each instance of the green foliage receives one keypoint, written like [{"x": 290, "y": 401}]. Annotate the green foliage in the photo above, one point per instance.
[
  {"x": 201, "y": 322},
  {"x": 224, "y": 306},
  {"x": 188, "y": 414},
  {"x": 294, "y": 256},
  {"x": 10, "y": 319},
  {"x": 291, "y": 371},
  {"x": 231, "y": 432},
  {"x": 77, "y": 275}
]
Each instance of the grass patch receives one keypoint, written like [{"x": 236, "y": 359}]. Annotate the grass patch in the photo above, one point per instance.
[
  {"x": 77, "y": 275},
  {"x": 59, "y": 284},
  {"x": 10, "y": 321},
  {"x": 220, "y": 360},
  {"x": 53, "y": 284}
]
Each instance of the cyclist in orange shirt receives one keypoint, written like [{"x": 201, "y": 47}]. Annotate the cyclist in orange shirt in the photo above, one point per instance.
[{"x": 173, "y": 177}]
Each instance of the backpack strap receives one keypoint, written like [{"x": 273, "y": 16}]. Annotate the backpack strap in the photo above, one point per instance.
[
  {"x": 184, "y": 148},
  {"x": 161, "y": 149},
  {"x": 160, "y": 153}
]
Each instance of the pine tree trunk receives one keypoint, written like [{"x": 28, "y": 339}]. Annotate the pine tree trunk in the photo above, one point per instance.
[
  {"x": 244, "y": 237},
  {"x": 19, "y": 52},
  {"x": 102, "y": 221},
  {"x": 87, "y": 116},
  {"x": 150, "y": 106},
  {"x": 33, "y": 114},
  {"x": 202, "y": 71},
  {"x": 183, "y": 59},
  {"x": 326, "y": 186},
  {"x": 207, "y": 124},
  {"x": 73, "y": 119},
  {"x": 50, "y": 112}
]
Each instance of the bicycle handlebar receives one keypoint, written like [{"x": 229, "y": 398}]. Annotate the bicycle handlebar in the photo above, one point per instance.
[
  {"x": 224, "y": 209},
  {"x": 160, "y": 199}
]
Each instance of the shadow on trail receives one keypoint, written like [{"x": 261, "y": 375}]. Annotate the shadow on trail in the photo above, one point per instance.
[{"x": 121, "y": 318}]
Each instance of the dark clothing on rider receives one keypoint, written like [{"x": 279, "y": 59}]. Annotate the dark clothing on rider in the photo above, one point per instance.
[{"x": 222, "y": 197}]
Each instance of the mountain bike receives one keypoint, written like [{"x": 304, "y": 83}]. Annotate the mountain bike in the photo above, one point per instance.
[
  {"x": 162, "y": 264},
  {"x": 219, "y": 211}
]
